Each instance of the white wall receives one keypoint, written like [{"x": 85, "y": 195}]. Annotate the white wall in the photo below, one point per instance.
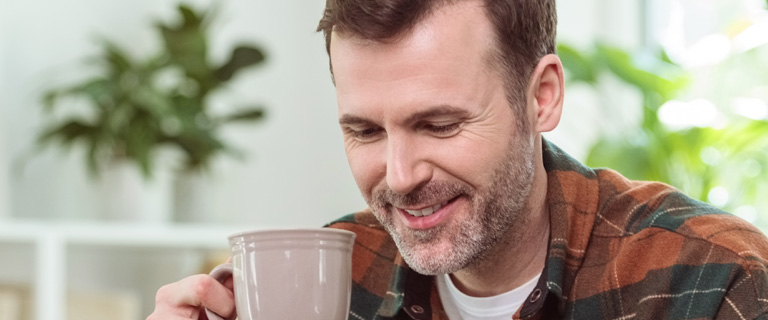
[
  {"x": 4, "y": 168},
  {"x": 296, "y": 172}
]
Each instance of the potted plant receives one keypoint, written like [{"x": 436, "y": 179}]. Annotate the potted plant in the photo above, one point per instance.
[
  {"x": 186, "y": 47},
  {"x": 139, "y": 106}
]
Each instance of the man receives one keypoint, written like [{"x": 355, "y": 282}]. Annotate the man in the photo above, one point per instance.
[{"x": 472, "y": 214}]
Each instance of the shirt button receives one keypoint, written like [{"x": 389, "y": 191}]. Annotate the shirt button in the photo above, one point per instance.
[
  {"x": 417, "y": 309},
  {"x": 535, "y": 295}
]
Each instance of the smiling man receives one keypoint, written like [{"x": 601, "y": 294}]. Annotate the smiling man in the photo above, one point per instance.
[
  {"x": 450, "y": 169},
  {"x": 473, "y": 215}
]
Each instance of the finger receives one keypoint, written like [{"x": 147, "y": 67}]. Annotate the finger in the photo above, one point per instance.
[
  {"x": 229, "y": 283},
  {"x": 169, "y": 303},
  {"x": 204, "y": 291}
]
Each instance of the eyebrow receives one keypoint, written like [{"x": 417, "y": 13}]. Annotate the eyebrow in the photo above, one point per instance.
[
  {"x": 436, "y": 111},
  {"x": 348, "y": 119}
]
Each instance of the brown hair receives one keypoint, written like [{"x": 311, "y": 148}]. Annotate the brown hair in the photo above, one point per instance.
[{"x": 525, "y": 30}]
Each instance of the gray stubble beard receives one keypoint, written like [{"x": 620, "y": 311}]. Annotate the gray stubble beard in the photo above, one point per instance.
[{"x": 496, "y": 210}]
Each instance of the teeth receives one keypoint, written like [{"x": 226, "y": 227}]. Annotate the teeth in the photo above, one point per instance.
[
  {"x": 427, "y": 211},
  {"x": 415, "y": 213}
]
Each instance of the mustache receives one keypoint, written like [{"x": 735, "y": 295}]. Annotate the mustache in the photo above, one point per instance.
[{"x": 429, "y": 193}]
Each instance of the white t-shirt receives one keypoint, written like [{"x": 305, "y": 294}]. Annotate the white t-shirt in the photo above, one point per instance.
[{"x": 459, "y": 306}]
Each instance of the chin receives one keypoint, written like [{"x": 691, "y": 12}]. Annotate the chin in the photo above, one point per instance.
[{"x": 431, "y": 257}]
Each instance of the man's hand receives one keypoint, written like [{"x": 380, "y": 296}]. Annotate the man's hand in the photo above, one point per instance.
[{"x": 185, "y": 299}]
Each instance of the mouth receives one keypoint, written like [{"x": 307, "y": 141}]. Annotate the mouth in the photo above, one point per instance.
[
  {"x": 428, "y": 211},
  {"x": 428, "y": 216}
]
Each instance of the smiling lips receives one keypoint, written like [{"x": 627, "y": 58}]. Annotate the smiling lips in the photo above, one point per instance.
[
  {"x": 428, "y": 217},
  {"x": 426, "y": 211}
]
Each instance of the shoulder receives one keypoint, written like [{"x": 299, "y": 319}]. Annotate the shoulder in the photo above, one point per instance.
[
  {"x": 628, "y": 208},
  {"x": 363, "y": 223},
  {"x": 657, "y": 249},
  {"x": 372, "y": 239}
]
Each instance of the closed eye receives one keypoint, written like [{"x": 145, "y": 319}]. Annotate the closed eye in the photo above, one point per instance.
[
  {"x": 443, "y": 130},
  {"x": 360, "y": 129},
  {"x": 367, "y": 134}
]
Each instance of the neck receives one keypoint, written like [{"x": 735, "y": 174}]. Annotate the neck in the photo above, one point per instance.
[
  {"x": 505, "y": 268},
  {"x": 516, "y": 259}
]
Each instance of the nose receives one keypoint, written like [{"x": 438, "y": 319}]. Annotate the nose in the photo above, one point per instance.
[{"x": 407, "y": 168}]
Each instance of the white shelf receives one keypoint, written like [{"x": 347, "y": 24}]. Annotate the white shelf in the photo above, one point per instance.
[
  {"x": 119, "y": 234},
  {"x": 52, "y": 241}
]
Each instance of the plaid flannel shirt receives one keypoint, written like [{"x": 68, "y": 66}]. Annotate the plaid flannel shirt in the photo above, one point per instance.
[{"x": 619, "y": 249}]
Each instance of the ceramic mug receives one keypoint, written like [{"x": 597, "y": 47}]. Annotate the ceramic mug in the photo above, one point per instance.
[{"x": 289, "y": 274}]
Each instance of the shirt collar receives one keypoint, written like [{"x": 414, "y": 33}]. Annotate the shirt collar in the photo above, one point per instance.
[{"x": 572, "y": 198}]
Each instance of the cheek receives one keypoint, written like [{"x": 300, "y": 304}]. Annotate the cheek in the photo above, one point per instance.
[
  {"x": 473, "y": 158},
  {"x": 472, "y": 165},
  {"x": 366, "y": 167}
]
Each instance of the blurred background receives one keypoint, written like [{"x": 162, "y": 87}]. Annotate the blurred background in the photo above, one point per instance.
[{"x": 135, "y": 136}]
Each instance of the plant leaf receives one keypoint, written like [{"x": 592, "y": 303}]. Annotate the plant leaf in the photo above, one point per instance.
[
  {"x": 199, "y": 147},
  {"x": 246, "y": 115},
  {"x": 116, "y": 58},
  {"x": 630, "y": 160},
  {"x": 187, "y": 45},
  {"x": 152, "y": 101},
  {"x": 140, "y": 141},
  {"x": 49, "y": 99},
  {"x": 96, "y": 90},
  {"x": 68, "y": 132},
  {"x": 190, "y": 18},
  {"x": 623, "y": 66},
  {"x": 242, "y": 57},
  {"x": 92, "y": 157},
  {"x": 580, "y": 67}
]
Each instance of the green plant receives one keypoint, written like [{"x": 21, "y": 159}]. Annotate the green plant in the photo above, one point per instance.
[
  {"x": 699, "y": 160},
  {"x": 138, "y": 105}
]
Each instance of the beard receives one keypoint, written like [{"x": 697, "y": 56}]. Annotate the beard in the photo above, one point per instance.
[{"x": 457, "y": 244}]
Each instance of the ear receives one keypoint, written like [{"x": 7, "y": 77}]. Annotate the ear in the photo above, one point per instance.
[{"x": 546, "y": 92}]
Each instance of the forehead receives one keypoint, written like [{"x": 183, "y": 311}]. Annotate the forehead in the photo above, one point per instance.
[{"x": 450, "y": 47}]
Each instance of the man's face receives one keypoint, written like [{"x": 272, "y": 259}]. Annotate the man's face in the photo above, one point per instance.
[{"x": 432, "y": 140}]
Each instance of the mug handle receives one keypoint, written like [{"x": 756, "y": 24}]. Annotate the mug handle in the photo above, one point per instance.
[{"x": 220, "y": 273}]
